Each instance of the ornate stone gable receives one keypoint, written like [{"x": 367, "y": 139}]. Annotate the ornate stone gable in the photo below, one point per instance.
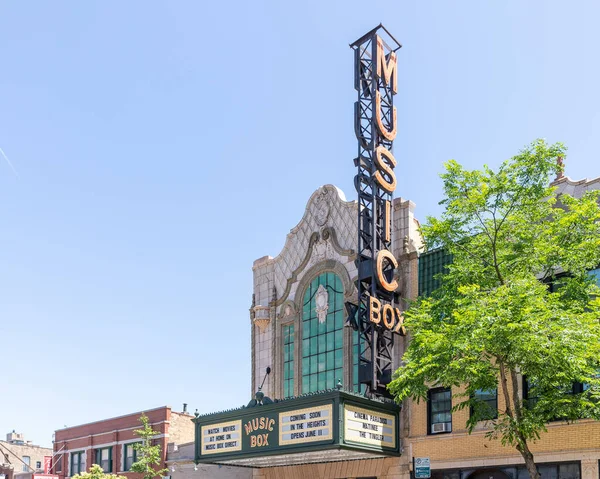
[
  {"x": 327, "y": 230},
  {"x": 575, "y": 188}
]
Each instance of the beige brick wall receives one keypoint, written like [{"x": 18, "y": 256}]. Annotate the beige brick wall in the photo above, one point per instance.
[
  {"x": 384, "y": 468},
  {"x": 581, "y": 436},
  {"x": 181, "y": 429},
  {"x": 561, "y": 442},
  {"x": 14, "y": 452}
]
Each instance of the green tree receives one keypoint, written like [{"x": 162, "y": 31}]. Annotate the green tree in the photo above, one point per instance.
[
  {"x": 516, "y": 300},
  {"x": 148, "y": 454},
  {"x": 96, "y": 472}
]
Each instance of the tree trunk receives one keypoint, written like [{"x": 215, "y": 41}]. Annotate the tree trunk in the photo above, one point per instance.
[
  {"x": 529, "y": 462},
  {"x": 514, "y": 411}
]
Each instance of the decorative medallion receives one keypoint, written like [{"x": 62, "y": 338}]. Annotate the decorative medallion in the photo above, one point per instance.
[
  {"x": 322, "y": 303},
  {"x": 320, "y": 208},
  {"x": 322, "y": 250}
]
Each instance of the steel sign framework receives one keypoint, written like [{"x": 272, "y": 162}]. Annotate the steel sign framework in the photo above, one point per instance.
[{"x": 376, "y": 316}]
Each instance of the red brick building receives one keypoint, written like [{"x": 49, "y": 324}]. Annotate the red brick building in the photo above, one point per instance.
[{"x": 109, "y": 442}]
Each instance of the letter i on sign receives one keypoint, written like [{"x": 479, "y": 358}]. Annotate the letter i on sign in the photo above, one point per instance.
[{"x": 388, "y": 220}]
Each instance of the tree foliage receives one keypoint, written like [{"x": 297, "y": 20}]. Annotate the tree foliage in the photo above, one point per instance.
[
  {"x": 148, "y": 454},
  {"x": 96, "y": 472},
  {"x": 517, "y": 299}
]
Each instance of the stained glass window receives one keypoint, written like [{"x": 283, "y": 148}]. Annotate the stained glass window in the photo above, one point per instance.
[
  {"x": 288, "y": 360},
  {"x": 322, "y": 333},
  {"x": 355, "y": 354}
]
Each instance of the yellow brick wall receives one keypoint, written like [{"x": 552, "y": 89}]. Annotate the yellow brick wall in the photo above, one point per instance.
[
  {"x": 459, "y": 445},
  {"x": 388, "y": 468}
]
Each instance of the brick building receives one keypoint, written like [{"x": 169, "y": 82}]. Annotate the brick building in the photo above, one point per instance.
[
  {"x": 565, "y": 451},
  {"x": 109, "y": 442},
  {"x": 19, "y": 458},
  {"x": 180, "y": 462},
  {"x": 318, "y": 251}
]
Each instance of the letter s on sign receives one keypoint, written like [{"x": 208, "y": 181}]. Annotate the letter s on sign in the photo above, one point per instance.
[{"x": 380, "y": 153}]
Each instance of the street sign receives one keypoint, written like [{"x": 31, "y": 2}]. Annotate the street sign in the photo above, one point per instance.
[{"x": 422, "y": 467}]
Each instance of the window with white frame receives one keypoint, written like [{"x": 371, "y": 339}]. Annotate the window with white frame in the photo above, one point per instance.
[
  {"x": 104, "y": 458},
  {"x": 129, "y": 455},
  {"x": 77, "y": 463}
]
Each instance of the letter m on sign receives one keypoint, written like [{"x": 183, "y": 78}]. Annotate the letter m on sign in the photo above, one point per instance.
[{"x": 387, "y": 68}]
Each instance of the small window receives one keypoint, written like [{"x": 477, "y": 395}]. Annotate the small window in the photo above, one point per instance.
[
  {"x": 26, "y": 463},
  {"x": 77, "y": 463},
  {"x": 487, "y": 402},
  {"x": 104, "y": 458},
  {"x": 38, "y": 464},
  {"x": 129, "y": 455},
  {"x": 548, "y": 471},
  {"x": 568, "y": 471},
  {"x": 440, "y": 410},
  {"x": 57, "y": 464},
  {"x": 595, "y": 273},
  {"x": 529, "y": 398}
]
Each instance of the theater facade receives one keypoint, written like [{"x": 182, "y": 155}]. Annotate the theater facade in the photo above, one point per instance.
[
  {"x": 327, "y": 333},
  {"x": 308, "y": 414}
]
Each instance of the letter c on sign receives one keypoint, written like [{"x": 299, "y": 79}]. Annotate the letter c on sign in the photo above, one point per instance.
[{"x": 381, "y": 279}]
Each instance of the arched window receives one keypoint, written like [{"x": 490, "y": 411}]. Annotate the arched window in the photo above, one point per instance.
[{"x": 322, "y": 333}]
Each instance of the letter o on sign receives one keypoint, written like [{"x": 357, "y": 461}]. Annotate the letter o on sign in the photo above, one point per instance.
[{"x": 388, "y": 316}]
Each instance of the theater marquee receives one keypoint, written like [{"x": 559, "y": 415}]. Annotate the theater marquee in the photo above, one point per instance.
[{"x": 309, "y": 428}]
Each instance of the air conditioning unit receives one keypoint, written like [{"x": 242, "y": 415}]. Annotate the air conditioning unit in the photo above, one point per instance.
[{"x": 441, "y": 427}]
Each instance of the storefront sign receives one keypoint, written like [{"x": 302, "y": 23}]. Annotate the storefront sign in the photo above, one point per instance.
[
  {"x": 305, "y": 425},
  {"x": 258, "y": 429},
  {"x": 312, "y": 426},
  {"x": 47, "y": 464},
  {"x": 377, "y": 122},
  {"x": 369, "y": 427},
  {"x": 377, "y": 316},
  {"x": 422, "y": 467},
  {"x": 221, "y": 437}
]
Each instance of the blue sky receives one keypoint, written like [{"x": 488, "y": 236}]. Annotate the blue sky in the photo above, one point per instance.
[{"x": 161, "y": 147}]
